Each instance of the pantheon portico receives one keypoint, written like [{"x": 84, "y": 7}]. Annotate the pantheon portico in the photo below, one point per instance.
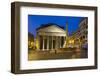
[{"x": 51, "y": 37}]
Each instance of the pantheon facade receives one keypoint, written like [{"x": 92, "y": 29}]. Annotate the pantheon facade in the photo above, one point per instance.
[{"x": 51, "y": 36}]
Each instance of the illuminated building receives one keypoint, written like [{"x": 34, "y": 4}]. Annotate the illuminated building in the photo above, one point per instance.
[
  {"x": 79, "y": 37},
  {"x": 30, "y": 41},
  {"x": 51, "y": 36}
]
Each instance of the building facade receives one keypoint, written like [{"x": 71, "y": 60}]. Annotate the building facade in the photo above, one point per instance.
[
  {"x": 51, "y": 37},
  {"x": 80, "y": 37},
  {"x": 30, "y": 41}
]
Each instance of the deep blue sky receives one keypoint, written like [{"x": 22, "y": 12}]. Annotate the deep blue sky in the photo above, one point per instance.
[{"x": 35, "y": 21}]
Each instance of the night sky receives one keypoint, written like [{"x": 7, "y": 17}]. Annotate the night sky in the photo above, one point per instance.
[{"x": 35, "y": 21}]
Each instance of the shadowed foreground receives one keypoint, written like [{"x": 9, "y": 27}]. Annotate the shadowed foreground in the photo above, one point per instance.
[{"x": 47, "y": 55}]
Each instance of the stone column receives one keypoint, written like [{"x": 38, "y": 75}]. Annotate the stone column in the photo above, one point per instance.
[
  {"x": 39, "y": 42},
  {"x": 64, "y": 41},
  {"x": 58, "y": 38},
  {"x": 52, "y": 43},
  {"x": 56, "y": 42},
  {"x": 60, "y": 41},
  {"x": 43, "y": 43},
  {"x": 47, "y": 42}
]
